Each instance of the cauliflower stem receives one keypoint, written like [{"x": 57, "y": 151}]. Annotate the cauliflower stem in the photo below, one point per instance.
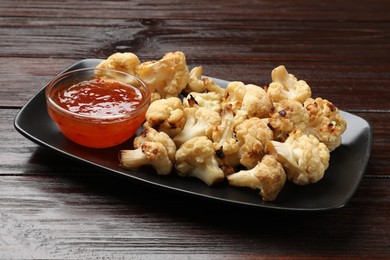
[
  {"x": 148, "y": 154},
  {"x": 150, "y": 148}
]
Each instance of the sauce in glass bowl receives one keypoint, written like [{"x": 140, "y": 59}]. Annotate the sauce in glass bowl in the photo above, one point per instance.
[{"x": 97, "y": 108}]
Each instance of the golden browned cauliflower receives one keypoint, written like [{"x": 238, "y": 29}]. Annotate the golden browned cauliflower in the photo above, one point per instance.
[
  {"x": 253, "y": 136},
  {"x": 211, "y": 86},
  {"x": 166, "y": 77},
  {"x": 195, "y": 82},
  {"x": 325, "y": 122},
  {"x": 304, "y": 158},
  {"x": 286, "y": 86},
  {"x": 196, "y": 158},
  {"x": 287, "y": 116},
  {"x": 126, "y": 62},
  {"x": 225, "y": 142},
  {"x": 268, "y": 176},
  {"x": 246, "y": 101},
  {"x": 150, "y": 148},
  {"x": 166, "y": 115},
  {"x": 199, "y": 122},
  {"x": 210, "y": 100},
  {"x": 198, "y": 84}
]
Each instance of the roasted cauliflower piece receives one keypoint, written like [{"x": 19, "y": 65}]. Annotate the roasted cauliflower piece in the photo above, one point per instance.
[
  {"x": 198, "y": 84},
  {"x": 268, "y": 176},
  {"x": 126, "y": 62},
  {"x": 325, "y": 122},
  {"x": 195, "y": 82},
  {"x": 286, "y": 86},
  {"x": 287, "y": 116},
  {"x": 196, "y": 158},
  {"x": 199, "y": 122},
  {"x": 304, "y": 157},
  {"x": 246, "y": 101},
  {"x": 166, "y": 115},
  {"x": 150, "y": 148},
  {"x": 210, "y": 100},
  {"x": 225, "y": 142},
  {"x": 166, "y": 77},
  {"x": 253, "y": 136}
]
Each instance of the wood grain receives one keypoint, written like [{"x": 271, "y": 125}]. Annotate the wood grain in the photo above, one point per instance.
[
  {"x": 54, "y": 208},
  {"x": 89, "y": 216}
]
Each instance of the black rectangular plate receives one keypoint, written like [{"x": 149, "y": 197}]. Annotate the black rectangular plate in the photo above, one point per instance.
[{"x": 347, "y": 163}]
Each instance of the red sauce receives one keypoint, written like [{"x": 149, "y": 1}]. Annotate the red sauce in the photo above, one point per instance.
[
  {"x": 102, "y": 100},
  {"x": 99, "y": 98}
]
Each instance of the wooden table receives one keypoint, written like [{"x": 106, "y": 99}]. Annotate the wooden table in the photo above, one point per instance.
[{"x": 55, "y": 208}]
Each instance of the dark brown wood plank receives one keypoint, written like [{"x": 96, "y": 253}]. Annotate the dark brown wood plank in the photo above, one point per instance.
[
  {"x": 336, "y": 66},
  {"x": 219, "y": 9},
  {"x": 89, "y": 216},
  {"x": 20, "y": 156},
  {"x": 311, "y": 40},
  {"x": 352, "y": 88},
  {"x": 23, "y": 77},
  {"x": 55, "y": 208}
]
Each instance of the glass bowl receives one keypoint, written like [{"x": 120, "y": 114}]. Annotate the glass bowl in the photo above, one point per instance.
[{"x": 97, "y": 108}]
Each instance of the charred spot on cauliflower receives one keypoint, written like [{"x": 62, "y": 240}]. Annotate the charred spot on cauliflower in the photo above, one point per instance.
[
  {"x": 287, "y": 116},
  {"x": 210, "y": 100}
]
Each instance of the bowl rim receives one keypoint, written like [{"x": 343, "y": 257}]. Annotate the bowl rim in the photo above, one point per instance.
[{"x": 146, "y": 97}]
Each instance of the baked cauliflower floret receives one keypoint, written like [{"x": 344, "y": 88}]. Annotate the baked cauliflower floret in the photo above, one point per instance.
[
  {"x": 286, "y": 86},
  {"x": 246, "y": 101},
  {"x": 199, "y": 121},
  {"x": 195, "y": 82},
  {"x": 253, "y": 136},
  {"x": 166, "y": 77},
  {"x": 196, "y": 158},
  {"x": 211, "y": 100},
  {"x": 150, "y": 148},
  {"x": 225, "y": 142},
  {"x": 268, "y": 176},
  {"x": 198, "y": 84},
  {"x": 126, "y": 62},
  {"x": 211, "y": 86},
  {"x": 166, "y": 115},
  {"x": 304, "y": 158},
  {"x": 287, "y": 116},
  {"x": 325, "y": 122}
]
